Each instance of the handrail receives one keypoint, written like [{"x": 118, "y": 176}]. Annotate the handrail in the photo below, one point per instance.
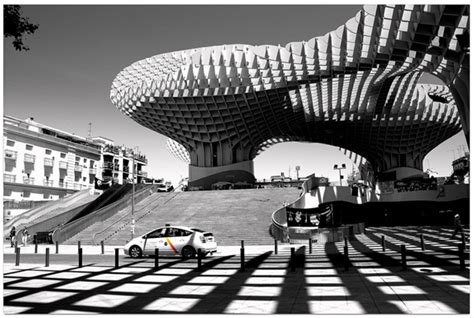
[
  {"x": 138, "y": 219},
  {"x": 124, "y": 216}
]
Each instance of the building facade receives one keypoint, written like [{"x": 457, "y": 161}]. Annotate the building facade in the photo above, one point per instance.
[{"x": 42, "y": 163}]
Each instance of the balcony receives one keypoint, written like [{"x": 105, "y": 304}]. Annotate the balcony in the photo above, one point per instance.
[
  {"x": 108, "y": 165},
  {"x": 9, "y": 178},
  {"x": 48, "y": 183},
  {"x": 63, "y": 165},
  {"x": 62, "y": 184},
  {"x": 78, "y": 168},
  {"x": 48, "y": 162},
  {"x": 29, "y": 180},
  {"x": 29, "y": 158},
  {"x": 10, "y": 154},
  {"x": 92, "y": 171}
]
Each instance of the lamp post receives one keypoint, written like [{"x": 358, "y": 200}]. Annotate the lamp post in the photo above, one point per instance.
[
  {"x": 133, "y": 191},
  {"x": 343, "y": 166}
]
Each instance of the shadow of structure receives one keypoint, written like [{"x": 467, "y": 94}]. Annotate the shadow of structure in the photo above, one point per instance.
[{"x": 318, "y": 283}]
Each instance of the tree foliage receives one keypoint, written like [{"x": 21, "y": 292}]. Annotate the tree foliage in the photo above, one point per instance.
[{"x": 17, "y": 26}]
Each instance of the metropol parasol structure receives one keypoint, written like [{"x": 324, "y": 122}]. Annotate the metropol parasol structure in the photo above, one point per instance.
[{"x": 355, "y": 87}]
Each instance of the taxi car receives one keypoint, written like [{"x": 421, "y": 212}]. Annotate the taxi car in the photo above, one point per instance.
[{"x": 172, "y": 240}]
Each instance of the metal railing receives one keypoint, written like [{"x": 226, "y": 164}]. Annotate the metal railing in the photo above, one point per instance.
[
  {"x": 9, "y": 178},
  {"x": 92, "y": 170},
  {"x": 48, "y": 162},
  {"x": 29, "y": 158},
  {"x": 29, "y": 180},
  {"x": 63, "y": 165},
  {"x": 78, "y": 168},
  {"x": 48, "y": 183},
  {"x": 10, "y": 154}
]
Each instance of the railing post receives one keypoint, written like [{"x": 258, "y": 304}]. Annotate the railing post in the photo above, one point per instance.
[
  {"x": 78, "y": 245},
  {"x": 422, "y": 242},
  {"x": 116, "y": 258},
  {"x": 310, "y": 246},
  {"x": 17, "y": 256},
  {"x": 199, "y": 256},
  {"x": 404, "y": 257},
  {"x": 276, "y": 247},
  {"x": 35, "y": 240},
  {"x": 156, "y": 258},
  {"x": 383, "y": 243},
  {"x": 80, "y": 257},
  {"x": 463, "y": 239},
  {"x": 345, "y": 241},
  {"x": 462, "y": 263},
  {"x": 46, "y": 261},
  {"x": 57, "y": 247},
  {"x": 346, "y": 257},
  {"x": 292, "y": 260},
  {"x": 102, "y": 249},
  {"x": 242, "y": 257}
]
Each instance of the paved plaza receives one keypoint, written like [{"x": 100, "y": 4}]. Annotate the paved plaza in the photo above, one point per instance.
[{"x": 317, "y": 282}]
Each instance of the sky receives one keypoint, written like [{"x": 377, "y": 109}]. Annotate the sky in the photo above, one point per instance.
[{"x": 64, "y": 80}]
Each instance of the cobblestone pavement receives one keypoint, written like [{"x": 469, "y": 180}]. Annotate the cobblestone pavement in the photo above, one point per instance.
[{"x": 373, "y": 281}]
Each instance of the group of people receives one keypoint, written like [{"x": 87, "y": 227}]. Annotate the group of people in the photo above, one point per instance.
[{"x": 24, "y": 238}]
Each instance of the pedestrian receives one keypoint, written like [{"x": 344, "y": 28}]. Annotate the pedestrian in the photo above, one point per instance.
[
  {"x": 457, "y": 226},
  {"x": 12, "y": 236},
  {"x": 25, "y": 236}
]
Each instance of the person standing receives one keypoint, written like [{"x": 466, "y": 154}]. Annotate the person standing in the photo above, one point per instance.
[
  {"x": 12, "y": 236},
  {"x": 25, "y": 236},
  {"x": 457, "y": 226}
]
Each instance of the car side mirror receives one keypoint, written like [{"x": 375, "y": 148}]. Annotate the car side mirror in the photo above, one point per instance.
[{"x": 144, "y": 237}]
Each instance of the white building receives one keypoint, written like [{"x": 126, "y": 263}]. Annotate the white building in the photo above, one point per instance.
[{"x": 43, "y": 163}]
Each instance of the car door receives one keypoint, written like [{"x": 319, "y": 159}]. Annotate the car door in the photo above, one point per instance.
[
  {"x": 178, "y": 238},
  {"x": 155, "y": 239}
]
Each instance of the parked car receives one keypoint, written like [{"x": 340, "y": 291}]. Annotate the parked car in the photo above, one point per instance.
[{"x": 172, "y": 240}]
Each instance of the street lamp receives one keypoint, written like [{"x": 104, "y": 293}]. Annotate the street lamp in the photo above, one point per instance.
[
  {"x": 343, "y": 166},
  {"x": 133, "y": 189}
]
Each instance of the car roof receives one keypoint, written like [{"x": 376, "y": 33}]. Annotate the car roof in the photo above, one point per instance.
[{"x": 187, "y": 228}]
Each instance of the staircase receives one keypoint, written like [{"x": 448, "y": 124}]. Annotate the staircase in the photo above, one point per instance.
[{"x": 232, "y": 215}]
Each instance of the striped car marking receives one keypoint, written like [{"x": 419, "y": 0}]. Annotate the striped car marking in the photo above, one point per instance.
[{"x": 171, "y": 245}]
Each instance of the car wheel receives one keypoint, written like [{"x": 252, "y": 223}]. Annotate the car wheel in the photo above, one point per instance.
[
  {"x": 188, "y": 252},
  {"x": 135, "y": 251}
]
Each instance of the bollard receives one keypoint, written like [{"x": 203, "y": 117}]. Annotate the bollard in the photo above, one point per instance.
[
  {"x": 346, "y": 258},
  {"x": 422, "y": 242},
  {"x": 310, "y": 246},
  {"x": 116, "y": 258},
  {"x": 292, "y": 260},
  {"x": 102, "y": 249},
  {"x": 242, "y": 259},
  {"x": 404, "y": 257},
  {"x": 46, "y": 261},
  {"x": 345, "y": 241},
  {"x": 17, "y": 256},
  {"x": 16, "y": 244},
  {"x": 242, "y": 244},
  {"x": 36, "y": 243},
  {"x": 78, "y": 245},
  {"x": 57, "y": 247},
  {"x": 276, "y": 247},
  {"x": 462, "y": 263},
  {"x": 383, "y": 243},
  {"x": 157, "y": 258},
  {"x": 80, "y": 257},
  {"x": 199, "y": 256}
]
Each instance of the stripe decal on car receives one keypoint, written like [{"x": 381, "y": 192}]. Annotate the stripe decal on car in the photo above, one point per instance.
[{"x": 171, "y": 245}]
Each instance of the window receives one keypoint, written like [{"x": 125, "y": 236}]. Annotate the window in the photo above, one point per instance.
[
  {"x": 10, "y": 143},
  {"x": 156, "y": 234},
  {"x": 78, "y": 159},
  {"x": 83, "y": 178},
  {"x": 47, "y": 151},
  {"x": 85, "y": 160},
  {"x": 29, "y": 147},
  {"x": 63, "y": 155}
]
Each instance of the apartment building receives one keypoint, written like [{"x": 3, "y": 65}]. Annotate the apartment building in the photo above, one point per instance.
[{"x": 42, "y": 163}]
